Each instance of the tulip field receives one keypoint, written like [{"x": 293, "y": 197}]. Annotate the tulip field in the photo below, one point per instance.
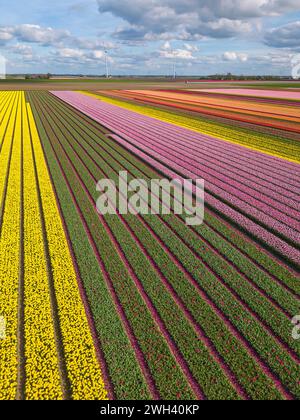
[
  {"x": 145, "y": 307},
  {"x": 280, "y": 114}
]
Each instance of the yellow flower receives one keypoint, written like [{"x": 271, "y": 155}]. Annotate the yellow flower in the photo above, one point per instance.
[
  {"x": 42, "y": 365},
  {"x": 81, "y": 361},
  {"x": 10, "y": 243},
  {"x": 52, "y": 303}
]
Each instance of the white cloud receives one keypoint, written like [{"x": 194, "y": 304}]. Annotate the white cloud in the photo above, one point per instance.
[
  {"x": 74, "y": 55},
  {"x": 69, "y": 53},
  {"x": 93, "y": 44},
  {"x": 38, "y": 34},
  {"x": 166, "y": 46},
  {"x": 98, "y": 55},
  {"x": 47, "y": 36},
  {"x": 182, "y": 28},
  {"x": 181, "y": 54},
  {"x": 287, "y": 36},
  {"x": 193, "y": 48},
  {"x": 5, "y": 35},
  {"x": 191, "y": 19},
  {"x": 278, "y": 7},
  {"x": 25, "y": 51},
  {"x": 167, "y": 51},
  {"x": 234, "y": 56},
  {"x": 33, "y": 34}
]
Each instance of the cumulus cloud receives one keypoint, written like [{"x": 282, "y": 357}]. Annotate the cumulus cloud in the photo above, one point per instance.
[
  {"x": 47, "y": 36},
  {"x": 190, "y": 47},
  {"x": 21, "y": 49},
  {"x": 178, "y": 54},
  {"x": 146, "y": 24},
  {"x": 33, "y": 34},
  {"x": 69, "y": 53},
  {"x": 166, "y": 46},
  {"x": 186, "y": 53},
  {"x": 61, "y": 47},
  {"x": 93, "y": 44},
  {"x": 5, "y": 35},
  {"x": 76, "y": 55},
  {"x": 38, "y": 34},
  {"x": 234, "y": 56},
  {"x": 278, "y": 7},
  {"x": 190, "y": 19},
  {"x": 286, "y": 36}
]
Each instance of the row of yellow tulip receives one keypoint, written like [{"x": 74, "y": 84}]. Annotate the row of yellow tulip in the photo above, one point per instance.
[
  {"x": 83, "y": 369},
  {"x": 48, "y": 351},
  {"x": 42, "y": 365},
  {"x": 7, "y": 117},
  {"x": 10, "y": 243}
]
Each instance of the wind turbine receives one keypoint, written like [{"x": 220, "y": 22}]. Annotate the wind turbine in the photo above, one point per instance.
[
  {"x": 106, "y": 64},
  {"x": 174, "y": 66}
]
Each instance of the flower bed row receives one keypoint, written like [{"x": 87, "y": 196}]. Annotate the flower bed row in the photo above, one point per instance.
[
  {"x": 81, "y": 158},
  {"x": 260, "y": 224},
  {"x": 226, "y": 114},
  {"x": 48, "y": 350},
  {"x": 10, "y": 217},
  {"x": 82, "y": 366}
]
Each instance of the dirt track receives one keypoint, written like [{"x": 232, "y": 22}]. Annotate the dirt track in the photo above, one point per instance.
[{"x": 76, "y": 85}]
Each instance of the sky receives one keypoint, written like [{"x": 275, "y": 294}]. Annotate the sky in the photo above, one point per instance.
[{"x": 149, "y": 37}]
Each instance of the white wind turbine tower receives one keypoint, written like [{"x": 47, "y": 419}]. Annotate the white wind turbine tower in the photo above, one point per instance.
[
  {"x": 174, "y": 65},
  {"x": 106, "y": 64}
]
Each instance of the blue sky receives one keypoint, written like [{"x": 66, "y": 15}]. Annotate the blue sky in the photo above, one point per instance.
[{"x": 147, "y": 37}]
